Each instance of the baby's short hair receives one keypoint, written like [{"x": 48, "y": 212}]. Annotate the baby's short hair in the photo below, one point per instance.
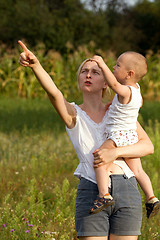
[{"x": 138, "y": 63}]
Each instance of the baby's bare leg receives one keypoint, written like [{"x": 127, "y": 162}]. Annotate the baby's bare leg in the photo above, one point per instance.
[
  {"x": 142, "y": 178},
  {"x": 103, "y": 172}
]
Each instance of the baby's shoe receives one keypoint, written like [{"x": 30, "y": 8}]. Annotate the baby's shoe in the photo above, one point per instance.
[
  {"x": 152, "y": 207},
  {"x": 101, "y": 203}
]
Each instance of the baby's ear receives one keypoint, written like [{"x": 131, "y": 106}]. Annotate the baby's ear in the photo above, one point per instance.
[{"x": 131, "y": 73}]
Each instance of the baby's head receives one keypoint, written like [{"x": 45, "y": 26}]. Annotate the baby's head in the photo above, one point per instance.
[{"x": 135, "y": 62}]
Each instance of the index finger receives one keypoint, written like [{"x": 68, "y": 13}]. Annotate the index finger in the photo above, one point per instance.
[{"x": 25, "y": 49}]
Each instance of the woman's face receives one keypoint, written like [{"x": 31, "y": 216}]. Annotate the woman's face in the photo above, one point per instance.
[{"x": 91, "y": 78}]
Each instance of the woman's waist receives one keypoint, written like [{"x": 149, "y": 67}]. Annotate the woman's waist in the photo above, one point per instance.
[
  {"x": 86, "y": 170},
  {"x": 115, "y": 169}
]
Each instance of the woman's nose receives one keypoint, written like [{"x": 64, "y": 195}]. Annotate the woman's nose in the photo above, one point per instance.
[{"x": 88, "y": 75}]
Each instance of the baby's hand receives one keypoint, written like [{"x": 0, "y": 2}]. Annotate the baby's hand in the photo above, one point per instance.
[
  {"x": 27, "y": 58},
  {"x": 99, "y": 60}
]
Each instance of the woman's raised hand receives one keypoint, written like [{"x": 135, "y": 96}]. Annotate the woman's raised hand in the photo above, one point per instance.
[
  {"x": 27, "y": 58},
  {"x": 104, "y": 156}
]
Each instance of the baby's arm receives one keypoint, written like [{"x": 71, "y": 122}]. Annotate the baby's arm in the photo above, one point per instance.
[
  {"x": 140, "y": 149},
  {"x": 64, "y": 109},
  {"x": 123, "y": 91}
]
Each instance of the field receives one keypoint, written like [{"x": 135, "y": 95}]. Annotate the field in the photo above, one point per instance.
[{"x": 37, "y": 162}]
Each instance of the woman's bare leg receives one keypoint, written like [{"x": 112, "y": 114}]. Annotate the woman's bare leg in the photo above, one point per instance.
[
  {"x": 94, "y": 238},
  {"x": 116, "y": 237},
  {"x": 111, "y": 237}
]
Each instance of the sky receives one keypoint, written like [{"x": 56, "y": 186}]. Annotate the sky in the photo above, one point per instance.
[
  {"x": 134, "y": 1},
  {"x": 130, "y": 2}
]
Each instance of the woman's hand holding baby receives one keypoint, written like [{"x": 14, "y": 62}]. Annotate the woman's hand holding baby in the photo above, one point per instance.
[{"x": 104, "y": 156}]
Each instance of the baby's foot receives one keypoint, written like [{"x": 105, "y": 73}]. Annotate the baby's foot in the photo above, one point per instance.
[
  {"x": 152, "y": 207},
  {"x": 101, "y": 203}
]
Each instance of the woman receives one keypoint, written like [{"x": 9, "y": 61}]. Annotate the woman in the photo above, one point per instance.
[{"x": 85, "y": 126}]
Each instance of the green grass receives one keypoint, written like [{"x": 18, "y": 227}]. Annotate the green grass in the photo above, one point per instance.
[{"x": 37, "y": 162}]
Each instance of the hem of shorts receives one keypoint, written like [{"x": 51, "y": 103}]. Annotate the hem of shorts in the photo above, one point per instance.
[
  {"x": 124, "y": 233},
  {"x": 92, "y": 234}
]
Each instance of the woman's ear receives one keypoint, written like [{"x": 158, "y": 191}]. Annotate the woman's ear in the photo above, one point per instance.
[
  {"x": 105, "y": 84},
  {"x": 104, "y": 89}
]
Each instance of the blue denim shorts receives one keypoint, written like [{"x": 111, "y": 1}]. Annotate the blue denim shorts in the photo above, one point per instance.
[{"x": 124, "y": 218}]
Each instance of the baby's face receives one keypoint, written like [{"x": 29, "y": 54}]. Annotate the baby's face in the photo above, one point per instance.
[{"x": 120, "y": 70}]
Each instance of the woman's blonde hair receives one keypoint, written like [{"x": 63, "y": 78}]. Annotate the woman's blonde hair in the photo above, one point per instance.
[{"x": 78, "y": 73}]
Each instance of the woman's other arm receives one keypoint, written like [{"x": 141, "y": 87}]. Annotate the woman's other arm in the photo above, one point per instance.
[{"x": 140, "y": 149}]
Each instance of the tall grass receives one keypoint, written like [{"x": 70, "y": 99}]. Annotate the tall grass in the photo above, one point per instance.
[{"x": 37, "y": 162}]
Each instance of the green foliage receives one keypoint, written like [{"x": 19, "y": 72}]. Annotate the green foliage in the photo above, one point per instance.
[
  {"x": 146, "y": 14},
  {"x": 52, "y": 22},
  {"x": 116, "y": 26},
  {"x": 151, "y": 82}
]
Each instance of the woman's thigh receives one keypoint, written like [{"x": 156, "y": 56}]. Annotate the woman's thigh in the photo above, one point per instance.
[
  {"x": 123, "y": 218},
  {"x": 111, "y": 237},
  {"x": 93, "y": 238},
  {"x": 126, "y": 217},
  {"x": 90, "y": 225},
  {"x": 115, "y": 237}
]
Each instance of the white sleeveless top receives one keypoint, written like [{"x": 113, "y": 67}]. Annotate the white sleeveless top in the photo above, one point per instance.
[
  {"x": 124, "y": 116},
  {"x": 86, "y": 137}
]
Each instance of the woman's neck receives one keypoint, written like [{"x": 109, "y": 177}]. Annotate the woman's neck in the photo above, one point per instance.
[{"x": 94, "y": 107}]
